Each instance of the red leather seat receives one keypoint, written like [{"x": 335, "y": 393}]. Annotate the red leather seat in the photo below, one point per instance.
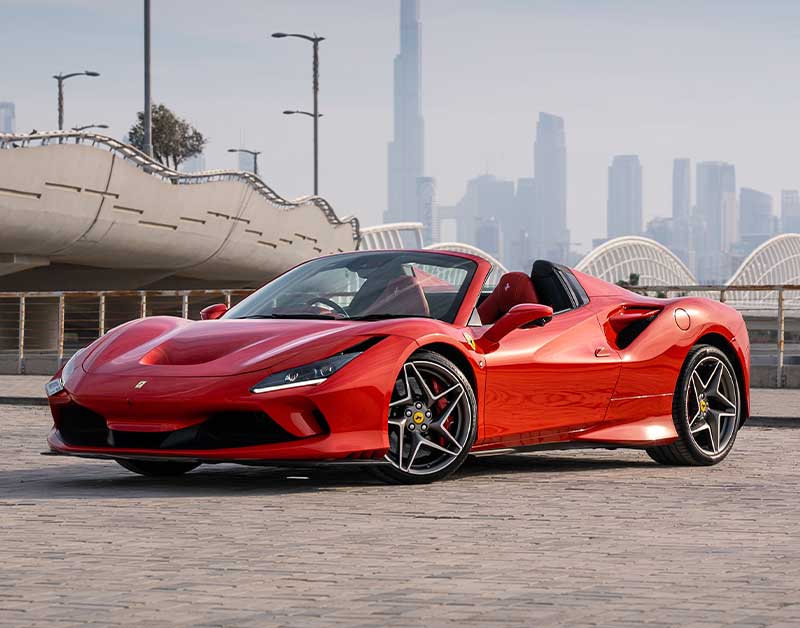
[
  {"x": 402, "y": 295},
  {"x": 511, "y": 290}
]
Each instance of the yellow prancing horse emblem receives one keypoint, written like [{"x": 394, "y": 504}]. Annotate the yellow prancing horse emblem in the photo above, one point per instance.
[
  {"x": 418, "y": 417},
  {"x": 470, "y": 340}
]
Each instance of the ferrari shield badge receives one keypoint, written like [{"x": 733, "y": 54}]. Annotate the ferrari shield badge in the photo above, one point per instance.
[{"x": 470, "y": 340}]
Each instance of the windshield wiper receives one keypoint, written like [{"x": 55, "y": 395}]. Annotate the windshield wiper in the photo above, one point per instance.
[
  {"x": 326, "y": 317},
  {"x": 380, "y": 317}
]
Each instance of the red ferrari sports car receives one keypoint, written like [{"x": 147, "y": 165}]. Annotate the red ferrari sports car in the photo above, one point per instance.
[{"x": 405, "y": 362}]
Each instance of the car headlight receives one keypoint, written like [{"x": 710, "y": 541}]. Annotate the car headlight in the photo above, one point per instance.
[
  {"x": 307, "y": 375},
  {"x": 55, "y": 386}
]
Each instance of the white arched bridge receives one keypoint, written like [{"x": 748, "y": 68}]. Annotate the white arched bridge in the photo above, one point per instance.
[
  {"x": 776, "y": 262},
  {"x": 619, "y": 258}
]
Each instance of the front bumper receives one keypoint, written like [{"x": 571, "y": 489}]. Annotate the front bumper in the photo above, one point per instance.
[{"x": 184, "y": 418}]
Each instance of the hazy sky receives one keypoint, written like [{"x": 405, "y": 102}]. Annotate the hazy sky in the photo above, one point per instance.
[{"x": 709, "y": 80}]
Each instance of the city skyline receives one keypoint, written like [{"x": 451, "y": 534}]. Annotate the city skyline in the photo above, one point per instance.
[
  {"x": 624, "y": 209},
  {"x": 406, "y": 150},
  {"x": 493, "y": 88},
  {"x": 7, "y": 117}
]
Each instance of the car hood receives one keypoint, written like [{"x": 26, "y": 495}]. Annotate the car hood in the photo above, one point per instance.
[{"x": 169, "y": 346}]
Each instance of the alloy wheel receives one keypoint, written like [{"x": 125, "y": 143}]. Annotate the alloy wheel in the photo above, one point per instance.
[
  {"x": 429, "y": 419},
  {"x": 712, "y": 407}
]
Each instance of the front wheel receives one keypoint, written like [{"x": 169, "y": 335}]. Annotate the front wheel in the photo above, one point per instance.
[
  {"x": 157, "y": 468},
  {"x": 706, "y": 409},
  {"x": 432, "y": 420}
]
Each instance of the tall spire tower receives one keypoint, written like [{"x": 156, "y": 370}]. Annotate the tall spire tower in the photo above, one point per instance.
[{"x": 407, "y": 149}]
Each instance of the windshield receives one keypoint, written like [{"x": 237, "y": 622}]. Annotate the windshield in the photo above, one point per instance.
[{"x": 366, "y": 286}]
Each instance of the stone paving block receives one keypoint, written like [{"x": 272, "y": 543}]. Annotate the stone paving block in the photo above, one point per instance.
[{"x": 585, "y": 538}]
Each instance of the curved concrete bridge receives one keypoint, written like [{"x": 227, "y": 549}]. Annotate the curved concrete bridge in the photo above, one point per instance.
[{"x": 86, "y": 211}]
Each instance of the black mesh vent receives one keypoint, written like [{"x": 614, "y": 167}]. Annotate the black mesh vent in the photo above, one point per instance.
[
  {"x": 83, "y": 428},
  {"x": 632, "y": 331}
]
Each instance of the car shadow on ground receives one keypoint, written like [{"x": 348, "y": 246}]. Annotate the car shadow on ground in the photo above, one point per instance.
[{"x": 106, "y": 480}]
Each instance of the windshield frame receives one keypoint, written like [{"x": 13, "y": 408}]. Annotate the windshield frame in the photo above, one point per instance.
[{"x": 468, "y": 293}]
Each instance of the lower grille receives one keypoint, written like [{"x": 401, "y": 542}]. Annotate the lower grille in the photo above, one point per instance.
[{"x": 81, "y": 427}]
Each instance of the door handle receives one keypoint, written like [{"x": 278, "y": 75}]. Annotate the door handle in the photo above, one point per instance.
[{"x": 602, "y": 352}]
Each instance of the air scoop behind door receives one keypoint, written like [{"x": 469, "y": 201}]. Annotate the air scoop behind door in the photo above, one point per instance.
[{"x": 627, "y": 322}]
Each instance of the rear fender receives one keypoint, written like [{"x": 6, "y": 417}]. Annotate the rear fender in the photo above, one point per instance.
[{"x": 652, "y": 362}]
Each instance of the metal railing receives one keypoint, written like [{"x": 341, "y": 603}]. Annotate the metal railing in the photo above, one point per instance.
[
  {"x": 39, "y": 331},
  {"x": 153, "y": 167}
]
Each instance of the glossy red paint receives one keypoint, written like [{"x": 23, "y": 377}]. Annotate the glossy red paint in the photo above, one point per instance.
[{"x": 574, "y": 379}]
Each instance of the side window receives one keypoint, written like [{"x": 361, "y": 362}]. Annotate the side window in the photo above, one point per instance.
[
  {"x": 474, "y": 319},
  {"x": 578, "y": 293}
]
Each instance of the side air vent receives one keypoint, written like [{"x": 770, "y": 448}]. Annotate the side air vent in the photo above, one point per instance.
[{"x": 627, "y": 323}]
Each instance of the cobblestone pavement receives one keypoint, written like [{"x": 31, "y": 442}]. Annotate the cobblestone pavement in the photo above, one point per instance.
[
  {"x": 563, "y": 538},
  {"x": 22, "y": 385}
]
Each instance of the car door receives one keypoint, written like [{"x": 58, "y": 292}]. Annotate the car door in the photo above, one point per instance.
[{"x": 548, "y": 380}]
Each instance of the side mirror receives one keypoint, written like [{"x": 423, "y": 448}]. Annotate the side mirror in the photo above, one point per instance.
[
  {"x": 213, "y": 312},
  {"x": 519, "y": 316}
]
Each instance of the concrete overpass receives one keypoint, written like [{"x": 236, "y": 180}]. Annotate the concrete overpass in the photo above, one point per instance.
[{"x": 84, "y": 211}]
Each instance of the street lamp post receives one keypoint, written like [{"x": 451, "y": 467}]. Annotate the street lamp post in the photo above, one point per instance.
[
  {"x": 305, "y": 113},
  {"x": 148, "y": 102},
  {"x": 254, "y": 153},
  {"x": 60, "y": 78},
  {"x": 315, "y": 89},
  {"x": 89, "y": 126}
]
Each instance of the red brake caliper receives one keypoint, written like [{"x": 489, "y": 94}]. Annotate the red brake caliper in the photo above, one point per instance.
[{"x": 439, "y": 407}]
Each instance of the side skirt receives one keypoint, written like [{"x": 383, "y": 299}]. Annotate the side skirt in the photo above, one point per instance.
[{"x": 300, "y": 464}]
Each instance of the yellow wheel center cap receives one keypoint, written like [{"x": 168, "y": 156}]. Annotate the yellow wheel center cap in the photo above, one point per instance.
[
  {"x": 703, "y": 406},
  {"x": 418, "y": 417}
]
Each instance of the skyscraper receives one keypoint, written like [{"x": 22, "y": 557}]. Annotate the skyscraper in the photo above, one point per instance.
[
  {"x": 426, "y": 203},
  {"x": 681, "y": 207},
  {"x": 790, "y": 211},
  {"x": 756, "y": 221},
  {"x": 487, "y": 197},
  {"x": 517, "y": 244},
  {"x": 717, "y": 219},
  {"x": 489, "y": 237},
  {"x": 548, "y": 226},
  {"x": 7, "y": 117},
  {"x": 406, "y": 150},
  {"x": 624, "y": 209}
]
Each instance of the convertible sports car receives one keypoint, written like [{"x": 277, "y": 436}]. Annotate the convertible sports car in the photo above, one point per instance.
[{"x": 404, "y": 362}]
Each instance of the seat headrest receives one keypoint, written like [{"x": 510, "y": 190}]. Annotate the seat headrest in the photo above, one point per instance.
[
  {"x": 512, "y": 289},
  {"x": 542, "y": 268}
]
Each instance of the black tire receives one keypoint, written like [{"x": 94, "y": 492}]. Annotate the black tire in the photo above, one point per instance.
[
  {"x": 467, "y": 427},
  {"x": 157, "y": 468},
  {"x": 697, "y": 447}
]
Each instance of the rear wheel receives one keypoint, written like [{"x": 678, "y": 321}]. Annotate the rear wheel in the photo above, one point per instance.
[
  {"x": 706, "y": 410},
  {"x": 432, "y": 421},
  {"x": 158, "y": 468}
]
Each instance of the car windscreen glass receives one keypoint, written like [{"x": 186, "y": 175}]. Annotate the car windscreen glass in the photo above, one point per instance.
[{"x": 367, "y": 286}]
